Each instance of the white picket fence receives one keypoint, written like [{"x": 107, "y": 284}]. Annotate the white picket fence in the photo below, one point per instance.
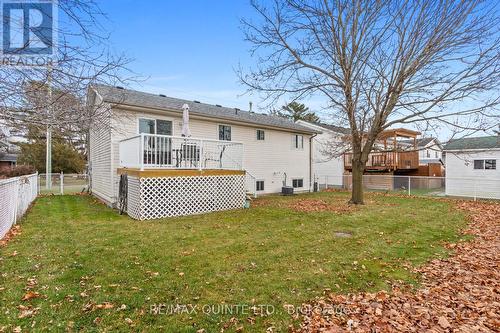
[{"x": 16, "y": 195}]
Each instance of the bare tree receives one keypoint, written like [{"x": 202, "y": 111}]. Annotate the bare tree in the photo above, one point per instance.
[
  {"x": 55, "y": 96},
  {"x": 380, "y": 63}
]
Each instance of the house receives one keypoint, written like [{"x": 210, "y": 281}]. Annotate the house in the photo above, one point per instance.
[
  {"x": 391, "y": 161},
  {"x": 429, "y": 149},
  {"x": 328, "y": 162},
  {"x": 472, "y": 168},
  {"x": 141, "y": 138},
  {"x": 9, "y": 149}
]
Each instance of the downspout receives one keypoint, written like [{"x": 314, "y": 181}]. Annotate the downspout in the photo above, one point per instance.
[{"x": 311, "y": 180}]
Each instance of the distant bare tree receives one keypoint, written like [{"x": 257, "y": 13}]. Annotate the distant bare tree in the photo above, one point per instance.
[
  {"x": 83, "y": 58},
  {"x": 381, "y": 63}
]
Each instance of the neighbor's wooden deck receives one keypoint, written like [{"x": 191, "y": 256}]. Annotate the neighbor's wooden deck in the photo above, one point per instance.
[{"x": 387, "y": 160}]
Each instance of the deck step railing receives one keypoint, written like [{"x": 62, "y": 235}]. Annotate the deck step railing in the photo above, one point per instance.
[{"x": 147, "y": 151}]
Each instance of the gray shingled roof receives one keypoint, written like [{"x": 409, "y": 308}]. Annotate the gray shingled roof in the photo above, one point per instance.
[
  {"x": 422, "y": 142},
  {"x": 334, "y": 128},
  {"x": 137, "y": 98},
  {"x": 6, "y": 157},
  {"x": 483, "y": 142}
]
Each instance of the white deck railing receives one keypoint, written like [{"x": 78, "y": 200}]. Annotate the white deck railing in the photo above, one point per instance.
[{"x": 147, "y": 151}]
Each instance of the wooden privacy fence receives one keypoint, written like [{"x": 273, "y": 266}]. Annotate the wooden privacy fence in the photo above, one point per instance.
[{"x": 16, "y": 195}]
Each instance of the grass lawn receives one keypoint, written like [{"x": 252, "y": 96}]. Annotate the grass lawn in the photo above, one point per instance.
[{"x": 82, "y": 254}]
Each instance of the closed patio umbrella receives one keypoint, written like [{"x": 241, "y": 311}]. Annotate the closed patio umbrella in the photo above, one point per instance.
[{"x": 185, "y": 121}]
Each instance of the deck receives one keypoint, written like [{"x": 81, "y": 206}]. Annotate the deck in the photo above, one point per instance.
[
  {"x": 387, "y": 160},
  {"x": 150, "y": 151}
]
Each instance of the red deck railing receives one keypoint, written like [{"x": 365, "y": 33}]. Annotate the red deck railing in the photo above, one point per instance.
[{"x": 387, "y": 160}]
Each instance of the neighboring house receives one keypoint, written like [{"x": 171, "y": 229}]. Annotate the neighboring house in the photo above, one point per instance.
[
  {"x": 143, "y": 134},
  {"x": 472, "y": 167},
  {"x": 430, "y": 150},
  {"x": 8, "y": 148},
  {"x": 328, "y": 161}
]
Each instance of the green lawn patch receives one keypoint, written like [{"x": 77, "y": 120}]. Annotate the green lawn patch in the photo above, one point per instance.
[{"x": 82, "y": 254}]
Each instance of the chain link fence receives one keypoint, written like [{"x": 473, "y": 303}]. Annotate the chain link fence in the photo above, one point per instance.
[
  {"x": 476, "y": 188},
  {"x": 63, "y": 183},
  {"x": 16, "y": 195}
]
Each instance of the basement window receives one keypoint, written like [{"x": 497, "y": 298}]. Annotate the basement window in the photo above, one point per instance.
[
  {"x": 298, "y": 183},
  {"x": 259, "y": 185}
]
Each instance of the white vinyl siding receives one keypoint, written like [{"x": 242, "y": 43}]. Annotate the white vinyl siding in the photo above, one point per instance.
[
  {"x": 100, "y": 160},
  {"x": 266, "y": 160},
  {"x": 464, "y": 179}
]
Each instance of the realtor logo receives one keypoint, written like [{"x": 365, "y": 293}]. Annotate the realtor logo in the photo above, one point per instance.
[{"x": 28, "y": 32}]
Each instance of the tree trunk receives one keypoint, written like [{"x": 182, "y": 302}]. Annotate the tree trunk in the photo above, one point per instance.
[{"x": 357, "y": 183}]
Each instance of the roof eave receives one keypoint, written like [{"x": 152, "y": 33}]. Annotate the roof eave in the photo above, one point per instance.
[{"x": 201, "y": 115}]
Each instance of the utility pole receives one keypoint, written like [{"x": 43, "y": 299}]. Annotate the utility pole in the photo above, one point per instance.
[{"x": 48, "y": 156}]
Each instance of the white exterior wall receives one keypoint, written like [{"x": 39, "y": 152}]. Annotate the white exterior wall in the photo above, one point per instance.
[
  {"x": 432, "y": 148},
  {"x": 326, "y": 169},
  {"x": 266, "y": 160},
  {"x": 463, "y": 180},
  {"x": 100, "y": 151}
]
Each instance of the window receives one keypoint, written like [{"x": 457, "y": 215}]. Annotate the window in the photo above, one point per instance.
[
  {"x": 147, "y": 126},
  {"x": 225, "y": 132},
  {"x": 490, "y": 164},
  {"x": 298, "y": 141},
  {"x": 163, "y": 127},
  {"x": 478, "y": 164},
  {"x": 259, "y": 185},
  {"x": 155, "y": 126},
  {"x": 436, "y": 154},
  {"x": 260, "y": 135},
  {"x": 296, "y": 183},
  {"x": 485, "y": 164}
]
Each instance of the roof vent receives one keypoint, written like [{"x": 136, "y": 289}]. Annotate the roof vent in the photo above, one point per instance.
[
  {"x": 197, "y": 102},
  {"x": 161, "y": 95},
  {"x": 119, "y": 87},
  {"x": 218, "y": 105},
  {"x": 236, "y": 110}
]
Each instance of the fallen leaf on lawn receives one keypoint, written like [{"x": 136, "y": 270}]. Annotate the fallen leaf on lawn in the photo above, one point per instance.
[
  {"x": 30, "y": 295},
  {"x": 469, "y": 277},
  {"x": 105, "y": 306},
  {"x": 27, "y": 311},
  {"x": 129, "y": 321},
  {"x": 443, "y": 322}
]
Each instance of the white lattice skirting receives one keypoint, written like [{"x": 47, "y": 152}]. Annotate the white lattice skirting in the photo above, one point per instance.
[{"x": 157, "y": 197}]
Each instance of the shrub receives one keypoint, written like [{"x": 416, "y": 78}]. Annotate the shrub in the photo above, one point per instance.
[{"x": 19, "y": 170}]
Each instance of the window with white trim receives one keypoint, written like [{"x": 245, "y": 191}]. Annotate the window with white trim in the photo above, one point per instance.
[
  {"x": 297, "y": 141},
  {"x": 225, "y": 132},
  {"x": 155, "y": 126},
  {"x": 488, "y": 164},
  {"x": 259, "y": 185},
  {"x": 260, "y": 135},
  {"x": 298, "y": 183}
]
